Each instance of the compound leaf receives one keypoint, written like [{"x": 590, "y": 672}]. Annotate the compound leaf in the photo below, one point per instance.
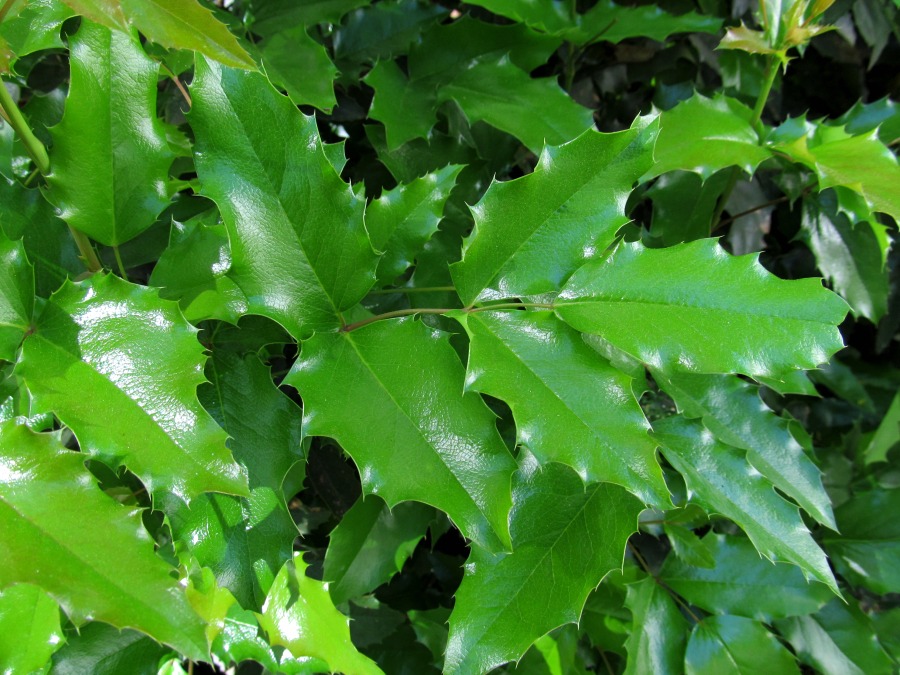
[{"x": 105, "y": 344}]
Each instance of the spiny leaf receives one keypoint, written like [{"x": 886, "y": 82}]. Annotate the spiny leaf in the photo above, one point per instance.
[
  {"x": 106, "y": 571},
  {"x": 300, "y": 616},
  {"x": 566, "y": 538},
  {"x": 575, "y": 199},
  {"x": 720, "y": 479},
  {"x": 694, "y": 307},
  {"x": 141, "y": 363},
  {"x": 882, "y": 115},
  {"x": 105, "y": 12},
  {"x": 733, "y": 411},
  {"x": 299, "y": 247},
  {"x": 726, "y": 645},
  {"x": 293, "y": 60},
  {"x": 100, "y": 649},
  {"x": 272, "y": 16},
  {"x": 659, "y": 631},
  {"x": 570, "y": 405},
  {"x": 34, "y": 26},
  {"x": 16, "y": 296},
  {"x": 29, "y": 628},
  {"x": 391, "y": 393},
  {"x": 110, "y": 157}
]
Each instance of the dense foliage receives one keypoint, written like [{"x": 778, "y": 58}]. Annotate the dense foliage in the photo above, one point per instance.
[{"x": 399, "y": 336}]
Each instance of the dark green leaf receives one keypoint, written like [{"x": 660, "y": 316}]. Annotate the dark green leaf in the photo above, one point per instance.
[
  {"x": 722, "y": 645},
  {"x": 658, "y": 636},
  {"x": 301, "y": 65},
  {"x": 16, "y": 296},
  {"x": 35, "y": 26},
  {"x": 100, "y": 649}
]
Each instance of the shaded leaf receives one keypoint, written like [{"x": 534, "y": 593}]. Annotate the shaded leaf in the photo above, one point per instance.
[
  {"x": 101, "y": 649},
  {"x": 683, "y": 206},
  {"x": 659, "y": 633},
  {"x": 272, "y": 16},
  {"x": 886, "y": 435},
  {"x": 721, "y": 645},
  {"x": 29, "y": 628},
  {"x": 301, "y": 65},
  {"x": 16, "y": 296}
]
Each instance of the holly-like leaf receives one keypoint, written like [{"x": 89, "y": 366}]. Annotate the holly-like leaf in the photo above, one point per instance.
[
  {"x": 110, "y": 157},
  {"x": 570, "y": 405},
  {"x": 732, "y": 410},
  {"x": 141, "y": 362},
  {"x": 720, "y": 479},
  {"x": 575, "y": 198},
  {"x": 658, "y": 636},
  {"x": 29, "y": 628},
  {"x": 107, "y": 570},
  {"x": 566, "y": 537},
  {"x": 299, "y": 247},
  {"x": 391, "y": 393},
  {"x": 301, "y": 65},
  {"x": 741, "y": 582},
  {"x": 705, "y": 135},
  {"x": 300, "y": 616},
  {"x": 105, "y": 12},
  {"x": 402, "y": 220},
  {"x": 271, "y": 16},
  {"x": 245, "y": 541},
  {"x": 721, "y": 645},
  {"x": 882, "y": 115},
  {"x": 370, "y": 545},
  {"x": 683, "y": 206},
  {"x": 715, "y": 313},
  {"x": 16, "y": 296},
  {"x": 100, "y": 649},
  {"x": 34, "y": 26}
]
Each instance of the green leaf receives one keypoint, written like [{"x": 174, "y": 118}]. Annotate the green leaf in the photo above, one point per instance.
[
  {"x": 240, "y": 640},
  {"x": 105, "y": 344},
  {"x": 566, "y": 537},
  {"x": 732, "y": 410},
  {"x": 370, "y": 545},
  {"x": 300, "y": 616},
  {"x": 721, "y": 645},
  {"x": 366, "y": 390},
  {"x": 886, "y": 435},
  {"x": 107, "y": 571},
  {"x": 29, "y": 628},
  {"x": 570, "y": 405},
  {"x": 35, "y": 26},
  {"x": 742, "y": 583},
  {"x": 837, "y": 640},
  {"x": 100, "y": 649},
  {"x": 271, "y": 16},
  {"x": 719, "y": 478},
  {"x": 402, "y": 220},
  {"x": 105, "y": 12},
  {"x": 245, "y": 541},
  {"x": 16, "y": 296},
  {"x": 715, "y": 313},
  {"x": 705, "y": 135},
  {"x": 658, "y": 636},
  {"x": 867, "y": 554},
  {"x": 300, "y": 252},
  {"x": 110, "y": 157},
  {"x": 849, "y": 255},
  {"x": 882, "y": 115},
  {"x": 301, "y": 65},
  {"x": 683, "y": 206},
  {"x": 575, "y": 198}
]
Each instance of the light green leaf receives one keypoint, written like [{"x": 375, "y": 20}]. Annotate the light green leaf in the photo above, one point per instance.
[
  {"x": 570, "y": 405},
  {"x": 299, "y": 247},
  {"x": 719, "y": 478},
  {"x": 16, "y": 296},
  {"x": 688, "y": 546},
  {"x": 100, "y": 649},
  {"x": 293, "y": 60},
  {"x": 391, "y": 393},
  {"x": 837, "y": 640},
  {"x": 402, "y": 220},
  {"x": 29, "y": 628},
  {"x": 407, "y": 109},
  {"x": 107, "y": 571},
  {"x": 575, "y": 198},
  {"x": 34, "y": 26},
  {"x": 705, "y": 135},
  {"x": 240, "y": 640},
  {"x": 105, "y": 12},
  {"x": 657, "y": 640},
  {"x": 733, "y": 411},
  {"x": 886, "y": 435},
  {"x": 105, "y": 344},
  {"x": 882, "y": 115},
  {"x": 300, "y": 616},
  {"x": 722, "y": 645},
  {"x": 867, "y": 554},
  {"x": 110, "y": 157},
  {"x": 743, "y": 583},
  {"x": 370, "y": 545},
  {"x": 715, "y": 313},
  {"x": 566, "y": 538}
]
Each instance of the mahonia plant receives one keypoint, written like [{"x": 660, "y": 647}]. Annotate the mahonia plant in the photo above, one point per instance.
[{"x": 335, "y": 338}]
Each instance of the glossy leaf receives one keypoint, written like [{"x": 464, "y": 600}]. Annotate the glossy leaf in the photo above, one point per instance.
[
  {"x": 16, "y": 296},
  {"x": 300, "y": 616},
  {"x": 271, "y": 16},
  {"x": 659, "y": 633},
  {"x": 110, "y": 157},
  {"x": 29, "y": 628},
  {"x": 370, "y": 545},
  {"x": 105, "y": 12},
  {"x": 141, "y": 362},
  {"x": 300, "y": 252},
  {"x": 391, "y": 393},
  {"x": 722, "y": 645},
  {"x": 570, "y": 405},
  {"x": 575, "y": 198},
  {"x": 742, "y": 583},
  {"x": 566, "y": 537},
  {"x": 882, "y": 115},
  {"x": 108, "y": 571},
  {"x": 720, "y": 479},
  {"x": 733, "y": 411},
  {"x": 751, "y": 321},
  {"x": 34, "y": 26},
  {"x": 101, "y": 649}
]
